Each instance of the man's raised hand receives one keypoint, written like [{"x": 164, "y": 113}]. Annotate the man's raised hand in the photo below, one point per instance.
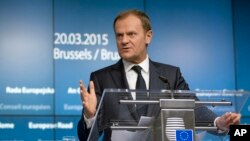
[{"x": 89, "y": 99}]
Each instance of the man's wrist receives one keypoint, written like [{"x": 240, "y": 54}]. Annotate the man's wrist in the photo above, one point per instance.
[{"x": 88, "y": 116}]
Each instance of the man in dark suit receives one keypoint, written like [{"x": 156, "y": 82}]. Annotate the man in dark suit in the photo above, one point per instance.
[{"x": 133, "y": 34}]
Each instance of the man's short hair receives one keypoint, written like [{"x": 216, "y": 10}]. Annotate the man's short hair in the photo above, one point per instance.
[{"x": 145, "y": 20}]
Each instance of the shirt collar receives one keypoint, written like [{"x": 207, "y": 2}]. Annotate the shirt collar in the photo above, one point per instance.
[{"x": 144, "y": 65}]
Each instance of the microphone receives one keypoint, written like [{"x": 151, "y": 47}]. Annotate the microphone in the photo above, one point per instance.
[{"x": 165, "y": 80}]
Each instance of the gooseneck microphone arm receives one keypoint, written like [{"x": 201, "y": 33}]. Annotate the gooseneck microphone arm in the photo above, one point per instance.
[{"x": 165, "y": 80}]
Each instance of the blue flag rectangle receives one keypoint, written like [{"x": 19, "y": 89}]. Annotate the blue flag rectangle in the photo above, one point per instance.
[{"x": 184, "y": 135}]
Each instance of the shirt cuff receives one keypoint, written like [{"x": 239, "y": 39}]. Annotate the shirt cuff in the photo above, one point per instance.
[{"x": 89, "y": 122}]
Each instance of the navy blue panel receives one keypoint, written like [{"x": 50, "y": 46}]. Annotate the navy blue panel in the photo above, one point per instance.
[
  {"x": 242, "y": 48},
  {"x": 242, "y": 45}
]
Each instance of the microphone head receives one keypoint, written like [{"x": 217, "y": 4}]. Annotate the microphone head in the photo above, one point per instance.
[{"x": 163, "y": 79}]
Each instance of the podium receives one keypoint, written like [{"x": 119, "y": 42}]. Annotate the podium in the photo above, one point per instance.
[{"x": 163, "y": 115}]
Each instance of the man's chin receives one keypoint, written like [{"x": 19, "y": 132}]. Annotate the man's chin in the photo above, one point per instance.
[
  {"x": 126, "y": 56},
  {"x": 130, "y": 59}
]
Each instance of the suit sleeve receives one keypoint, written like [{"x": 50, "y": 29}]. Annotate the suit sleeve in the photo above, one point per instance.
[
  {"x": 180, "y": 83},
  {"x": 82, "y": 130}
]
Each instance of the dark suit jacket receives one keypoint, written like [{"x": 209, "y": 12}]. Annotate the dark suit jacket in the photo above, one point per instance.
[{"x": 114, "y": 77}]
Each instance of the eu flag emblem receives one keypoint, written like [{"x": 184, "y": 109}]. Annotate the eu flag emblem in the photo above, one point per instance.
[{"x": 184, "y": 135}]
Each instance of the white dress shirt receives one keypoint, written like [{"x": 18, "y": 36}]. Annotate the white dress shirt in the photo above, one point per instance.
[{"x": 131, "y": 75}]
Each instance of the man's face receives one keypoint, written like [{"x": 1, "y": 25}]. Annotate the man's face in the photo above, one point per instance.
[{"x": 131, "y": 39}]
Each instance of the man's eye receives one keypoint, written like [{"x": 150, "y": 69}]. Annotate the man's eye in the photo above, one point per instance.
[
  {"x": 118, "y": 35},
  {"x": 131, "y": 34}
]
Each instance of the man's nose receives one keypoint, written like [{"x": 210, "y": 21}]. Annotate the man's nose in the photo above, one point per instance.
[{"x": 125, "y": 39}]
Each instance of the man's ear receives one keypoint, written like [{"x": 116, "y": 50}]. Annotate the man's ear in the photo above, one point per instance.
[{"x": 149, "y": 35}]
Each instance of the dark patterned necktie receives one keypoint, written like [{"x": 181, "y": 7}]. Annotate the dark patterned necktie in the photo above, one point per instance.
[{"x": 140, "y": 85}]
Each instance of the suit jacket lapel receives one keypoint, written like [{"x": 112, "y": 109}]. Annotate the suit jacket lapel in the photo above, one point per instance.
[
  {"x": 154, "y": 84},
  {"x": 118, "y": 76}
]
